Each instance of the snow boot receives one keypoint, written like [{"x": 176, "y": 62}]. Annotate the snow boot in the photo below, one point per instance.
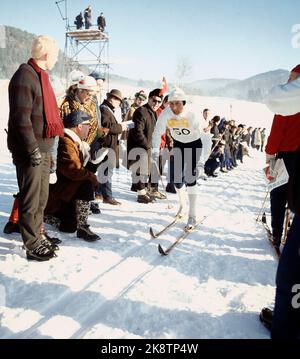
[
  {"x": 155, "y": 194},
  {"x": 86, "y": 234},
  {"x": 143, "y": 197},
  {"x": 52, "y": 240},
  {"x": 12, "y": 225},
  {"x": 111, "y": 201},
  {"x": 41, "y": 253},
  {"x": 170, "y": 188},
  {"x": 193, "y": 197},
  {"x": 95, "y": 208},
  {"x": 83, "y": 230},
  {"x": 191, "y": 223},
  {"x": 46, "y": 243},
  {"x": 266, "y": 317},
  {"x": 45, "y": 235}
]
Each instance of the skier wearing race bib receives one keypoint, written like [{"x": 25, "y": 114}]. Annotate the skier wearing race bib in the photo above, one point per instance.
[{"x": 186, "y": 131}]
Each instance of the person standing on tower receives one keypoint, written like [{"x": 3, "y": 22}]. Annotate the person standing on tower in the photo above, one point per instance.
[
  {"x": 79, "y": 21},
  {"x": 101, "y": 22},
  {"x": 88, "y": 17}
]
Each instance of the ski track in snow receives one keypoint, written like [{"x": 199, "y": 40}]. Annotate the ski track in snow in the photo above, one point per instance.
[{"x": 212, "y": 285}]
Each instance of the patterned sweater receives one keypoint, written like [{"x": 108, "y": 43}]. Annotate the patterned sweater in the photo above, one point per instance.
[{"x": 71, "y": 104}]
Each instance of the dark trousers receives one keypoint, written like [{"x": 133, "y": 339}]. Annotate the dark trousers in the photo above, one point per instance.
[
  {"x": 33, "y": 196},
  {"x": 67, "y": 211},
  {"x": 279, "y": 197},
  {"x": 211, "y": 165},
  {"x": 286, "y": 320},
  {"x": 185, "y": 169}
]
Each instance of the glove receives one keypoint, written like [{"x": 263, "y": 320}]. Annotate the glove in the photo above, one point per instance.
[
  {"x": 269, "y": 158},
  {"x": 200, "y": 169},
  {"x": 35, "y": 158},
  {"x": 155, "y": 155}
]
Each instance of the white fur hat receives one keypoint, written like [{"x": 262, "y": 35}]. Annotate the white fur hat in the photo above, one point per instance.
[
  {"x": 76, "y": 76},
  {"x": 87, "y": 83},
  {"x": 177, "y": 95}
]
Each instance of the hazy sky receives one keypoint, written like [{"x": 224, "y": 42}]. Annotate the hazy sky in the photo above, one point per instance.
[{"x": 221, "y": 38}]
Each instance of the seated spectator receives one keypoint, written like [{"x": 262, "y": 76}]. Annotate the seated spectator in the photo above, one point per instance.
[
  {"x": 215, "y": 160},
  {"x": 69, "y": 200}
]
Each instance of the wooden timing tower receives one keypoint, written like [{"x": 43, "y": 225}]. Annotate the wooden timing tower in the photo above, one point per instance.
[{"x": 85, "y": 48}]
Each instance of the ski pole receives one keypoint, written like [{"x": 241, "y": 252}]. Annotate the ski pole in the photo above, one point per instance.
[
  {"x": 162, "y": 183},
  {"x": 286, "y": 225},
  {"x": 262, "y": 207},
  {"x": 215, "y": 146}
]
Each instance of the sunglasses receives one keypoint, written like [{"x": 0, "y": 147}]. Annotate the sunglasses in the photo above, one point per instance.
[{"x": 156, "y": 101}]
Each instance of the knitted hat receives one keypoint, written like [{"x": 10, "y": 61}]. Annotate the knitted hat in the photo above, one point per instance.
[
  {"x": 177, "y": 95},
  {"x": 87, "y": 83},
  {"x": 141, "y": 94},
  {"x": 296, "y": 69},
  {"x": 75, "y": 118},
  {"x": 115, "y": 93},
  {"x": 156, "y": 93}
]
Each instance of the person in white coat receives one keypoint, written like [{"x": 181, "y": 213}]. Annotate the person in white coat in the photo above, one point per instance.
[{"x": 185, "y": 129}]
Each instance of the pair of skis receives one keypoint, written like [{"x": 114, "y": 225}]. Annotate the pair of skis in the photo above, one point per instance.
[{"x": 178, "y": 240}]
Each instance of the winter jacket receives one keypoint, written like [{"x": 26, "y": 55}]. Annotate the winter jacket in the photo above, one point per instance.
[
  {"x": 70, "y": 174},
  {"x": 109, "y": 121},
  {"x": 140, "y": 136},
  {"x": 144, "y": 120},
  {"x": 101, "y": 22},
  {"x": 26, "y": 123},
  {"x": 284, "y": 135}
]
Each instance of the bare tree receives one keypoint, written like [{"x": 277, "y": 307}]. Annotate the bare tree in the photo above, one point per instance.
[{"x": 183, "y": 70}]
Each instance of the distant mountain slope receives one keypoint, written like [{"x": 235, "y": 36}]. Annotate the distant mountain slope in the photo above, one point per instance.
[
  {"x": 254, "y": 88},
  {"x": 209, "y": 85},
  {"x": 15, "y": 47}
]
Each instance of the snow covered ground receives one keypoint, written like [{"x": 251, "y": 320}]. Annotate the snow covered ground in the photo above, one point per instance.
[{"x": 213, "y": 285}]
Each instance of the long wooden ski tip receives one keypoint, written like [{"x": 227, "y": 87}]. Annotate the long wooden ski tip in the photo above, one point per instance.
[
  {"x": 152, "y": 234},
  {"x": 162, "y": 251}
]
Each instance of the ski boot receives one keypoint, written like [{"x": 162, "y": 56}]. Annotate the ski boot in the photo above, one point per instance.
[{"x": 191, "y": 223}]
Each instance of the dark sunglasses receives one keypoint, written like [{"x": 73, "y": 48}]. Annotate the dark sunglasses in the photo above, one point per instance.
[{"x": 156, "y": 101}]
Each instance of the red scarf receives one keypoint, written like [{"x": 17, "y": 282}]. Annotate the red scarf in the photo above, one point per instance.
[{"x": 54, "y": 124}]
